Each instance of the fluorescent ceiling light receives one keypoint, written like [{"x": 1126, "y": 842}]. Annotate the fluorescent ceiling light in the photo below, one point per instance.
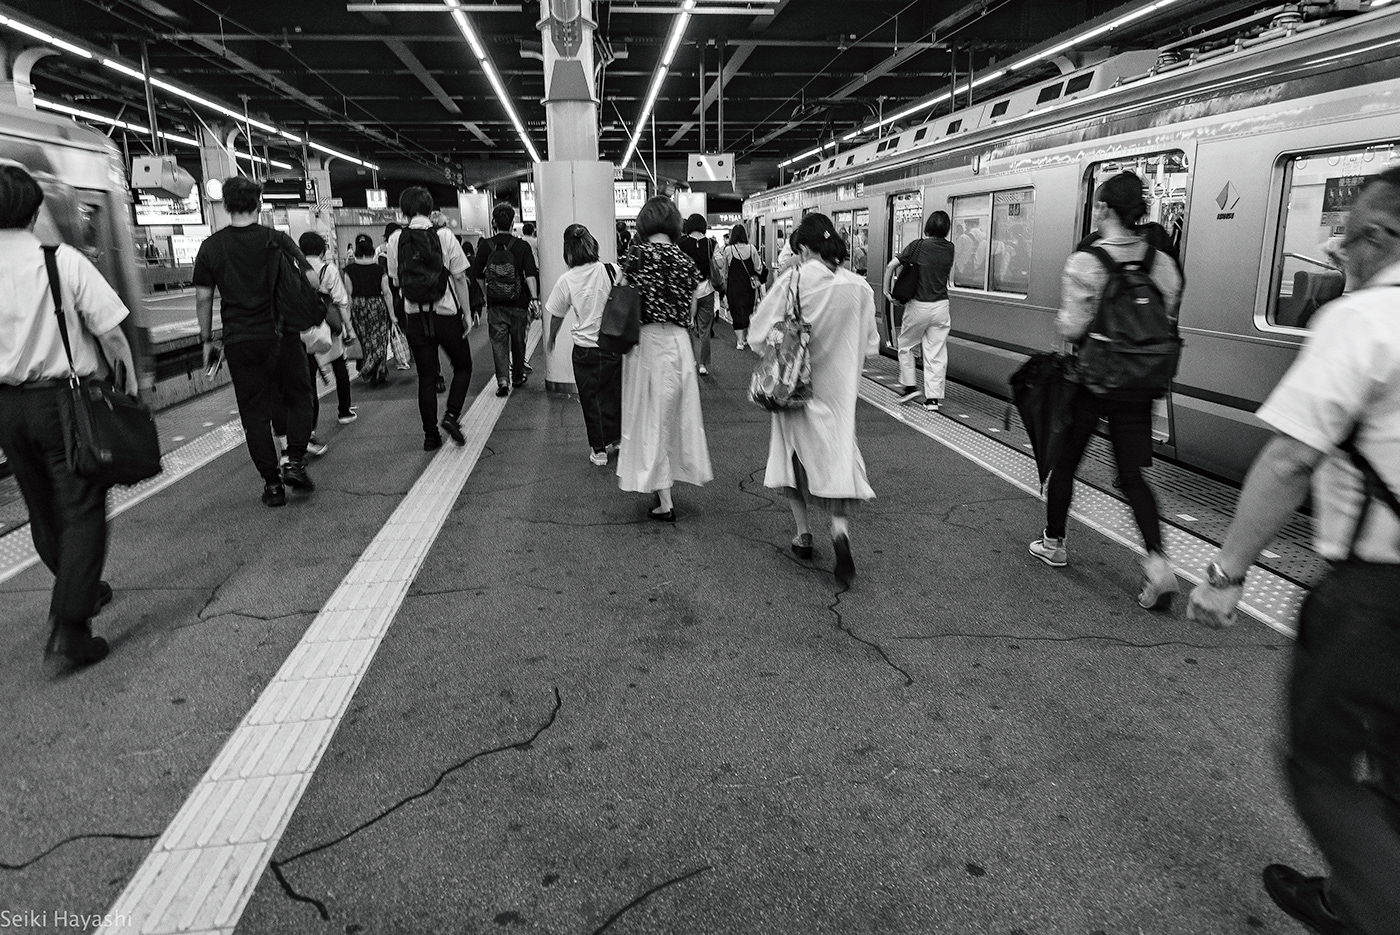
[
  {"x": 464, "y": 26},
  {"x": 673, "y": 42}
]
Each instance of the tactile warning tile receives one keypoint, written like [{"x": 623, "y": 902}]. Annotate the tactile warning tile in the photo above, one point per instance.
[
  {"x": 1268, "y": 598},
  {"x": 204, "y": 868}
]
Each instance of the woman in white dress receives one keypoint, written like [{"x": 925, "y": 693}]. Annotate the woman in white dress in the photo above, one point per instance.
[
  {"x": 812, "y": 451},
  {"x": 663, "y": 433}
]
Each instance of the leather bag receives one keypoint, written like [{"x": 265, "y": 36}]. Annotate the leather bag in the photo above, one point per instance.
[
  {"x": 109, "y": 437},
  {"x": 621, "y": 327}
]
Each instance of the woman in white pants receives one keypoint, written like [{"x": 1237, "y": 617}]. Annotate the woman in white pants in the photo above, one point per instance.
[{"x": 927, "y": 320}]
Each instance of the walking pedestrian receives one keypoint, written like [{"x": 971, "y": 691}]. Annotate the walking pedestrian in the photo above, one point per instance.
[
  {"x": 663, "y": 429},
  {"x": 926, "y": 321},
  {"x": 741, "y": 270},
  {"x": 266, "y": 359},
  {"x": 1336, "y": 418},
  {"x": 328, "y": 283},
  {"x": 584, "y": 289},
  {"x": 812, "y": 450},
  {"x": 701, "y": 249},
  {"x": 367, "y": 282},
  {"x": 505, "y": 267},
  {"x": 67, "y": 513}
]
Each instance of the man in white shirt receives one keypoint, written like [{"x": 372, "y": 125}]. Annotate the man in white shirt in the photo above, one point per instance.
[
  {"x": 440, "y": 323},
  {"x": 1337, "y": 418},
  {"x": 67, "y": 514}
]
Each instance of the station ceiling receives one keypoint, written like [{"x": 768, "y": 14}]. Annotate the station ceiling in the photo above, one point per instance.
[{"x": 404, "y": 89}]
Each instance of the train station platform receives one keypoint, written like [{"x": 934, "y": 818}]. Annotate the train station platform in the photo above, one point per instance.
[{"x": 478, "y": 690}]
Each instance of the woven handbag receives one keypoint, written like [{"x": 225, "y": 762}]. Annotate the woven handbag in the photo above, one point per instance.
[
  {"x": 783, "y": 378},
  {"x": 108, "y": 436}
]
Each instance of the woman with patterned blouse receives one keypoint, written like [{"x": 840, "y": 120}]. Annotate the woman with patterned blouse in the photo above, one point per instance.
[{"x": 663, "y": 432}]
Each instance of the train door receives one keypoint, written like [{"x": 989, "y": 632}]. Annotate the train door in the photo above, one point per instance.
[
  {"x": 860, "y": 241},
  {"x": 1166, "y": 178},
  {"x": 782, "y": 229},
  {"x": 906, "y": 226}
]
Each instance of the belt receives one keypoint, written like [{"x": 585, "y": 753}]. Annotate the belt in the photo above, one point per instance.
[{"x": 36, "y": 384}]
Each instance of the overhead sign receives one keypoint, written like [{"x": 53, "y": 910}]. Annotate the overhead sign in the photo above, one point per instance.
[
  {"x": 628, "y": 198},
  {"x": 155, "y": 211},
  {"x": 376, "y": 198}
]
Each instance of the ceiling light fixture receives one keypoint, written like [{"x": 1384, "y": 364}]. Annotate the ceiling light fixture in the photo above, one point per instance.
[
  {"x": 464, "y": 26},
  {"x": 673, "y": 43}
]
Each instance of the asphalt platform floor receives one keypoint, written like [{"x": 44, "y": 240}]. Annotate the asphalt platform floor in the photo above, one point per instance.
[{"x": 585, "y": 721}]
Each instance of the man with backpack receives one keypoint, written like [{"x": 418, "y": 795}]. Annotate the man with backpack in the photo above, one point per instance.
[
  {"x": 701, "y": 249},
  {"x": 1336, "y": 415},
  {"x": 267, "y": 296},
  {"x": 506, "y": 268},
  {"x": 429, "y": 270},
  {"x": 1119, "y": 308}
]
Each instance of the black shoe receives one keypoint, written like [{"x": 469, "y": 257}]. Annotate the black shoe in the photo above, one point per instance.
[
  {"x": 907, "y": 393},
  {"x": 845, "y": 568},
  {"x": 432, "y": 442},
  {"x": 104, "y": 597},
  {"x": 1304, "y": 898},
  {"x": 802, "y": 546},
  {"x": 75, "y": 640},
  {"x": 274, "y": 494},
  {"x": 520, "y": 382},
  {"x": 502, "y": 389},
  {"x": 668, "y": 517},
  {"x": 441, "y": 385},
  {"x": 453, "y": 429},
  {"x": 294, "y": 475}
]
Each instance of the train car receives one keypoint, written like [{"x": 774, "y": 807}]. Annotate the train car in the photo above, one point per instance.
[{"x": 1251, "y": 153}]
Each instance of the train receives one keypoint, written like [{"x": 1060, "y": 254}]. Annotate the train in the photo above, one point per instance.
[{"x": 1251, "y": 152}]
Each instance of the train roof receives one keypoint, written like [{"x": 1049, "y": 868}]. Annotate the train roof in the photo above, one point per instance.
[{"x": 54, "y": 145}]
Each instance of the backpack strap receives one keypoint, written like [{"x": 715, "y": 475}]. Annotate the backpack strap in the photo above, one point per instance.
[{"x": 51, "y": 263}]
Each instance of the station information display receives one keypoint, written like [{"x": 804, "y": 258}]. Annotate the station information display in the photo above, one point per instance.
[
  {"x": 154, "y": 211},
  {"x": 628, "y": 198}
]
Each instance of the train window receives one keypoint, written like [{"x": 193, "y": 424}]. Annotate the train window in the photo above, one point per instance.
[
  {"x": 1078, "y": 83},
  {"x": 1164, "y": 178},
  {"x": 923, "y": 132},
  {"x": 860, "y": 240},
  {"x": 850, "y": 160},
  {"x": 884, "y": 144},
  {"x": 842, "y": 221},
  {"x": 972, "y": 220},
  {"x": 999, "y": 108},
  {"x": 1048, "y": 93},
  {"x": 1319, "y": 191},
  {"x": 955, "y": 126},
  {"x": 894, "y": 143},
  {"x": 992, "y": 241}
]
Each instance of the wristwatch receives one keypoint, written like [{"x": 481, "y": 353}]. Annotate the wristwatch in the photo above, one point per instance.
[{"x": 1216, "y": 577}]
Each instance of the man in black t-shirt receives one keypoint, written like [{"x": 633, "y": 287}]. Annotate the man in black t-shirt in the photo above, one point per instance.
[
  {"x": 268, "y": 368},
  {"x": 507, "y": 319}
]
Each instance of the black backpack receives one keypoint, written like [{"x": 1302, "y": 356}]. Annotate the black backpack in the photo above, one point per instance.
[
  {"x": 296, "y": 304},
  {"x": 422, "y": 275},
  {"x": 502, "y": 273},
  {"x": 1132, "y": 349}
]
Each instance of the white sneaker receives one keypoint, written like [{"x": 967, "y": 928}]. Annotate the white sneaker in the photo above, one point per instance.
[
  {"x": 1158, "y": 582},
  {"x": 315, "y": 449},
  {"x": 346, "y": 420},
  {"x": 600, "y": 458},
  {"x": 739, "y": 345},
  {"x": 704, "y": 370},
  {"x": 931, "y": 405},
  {"x": 1050, "y": 551}
]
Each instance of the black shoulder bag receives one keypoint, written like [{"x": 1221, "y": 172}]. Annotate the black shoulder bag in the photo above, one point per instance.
[
  {"x": 621, "y": 327},
  {"x": 109, "y": 437},
  {"x": 906, "y": 284}
]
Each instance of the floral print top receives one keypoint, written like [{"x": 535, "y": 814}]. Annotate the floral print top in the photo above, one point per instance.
[{"x": 665, "y": 278}]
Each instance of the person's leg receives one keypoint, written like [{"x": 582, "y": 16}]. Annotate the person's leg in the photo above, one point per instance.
[
  {"x": 1060, "y": 490},
  {"x": 452, "y": 338},
  {"x": 519, "y": 325},
  {"x": 704, "y": 320},
  {"x": 913, "y": 324},
  {"x": 342, "y": 387},
  {"x": 797, "y": 498},
  {"x": 313, "y": 370},
  {"x": 587, "y": 369},
  {"x": 81, "y": 507},
  {"x": 29, "y": 465},
  {"x": 1130, "y": 430},
  {"x": 935, "y": 346},
  {"x": 252, "y": 366},
  {"x": 293, "y": 380},
  {"x": 1344, "y": 757},
  {"x": 498, "y": 328},
  {"x": 425, "y": 359},
  {"x": 609, "y": 396}
]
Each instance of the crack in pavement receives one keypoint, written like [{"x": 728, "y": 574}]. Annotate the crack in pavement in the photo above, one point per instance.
[
  {"x": 461, "y": 590},
  {"x": 647, "y": 895},
  {"x": 841, "y": 625},
  {"x": 214, "y": 592},
  {"x": 247, "y": 615},
  {"x": 946, "y": 515},
  {"x": 278, "y": 866},
  {"x": 560, "y": 522},
  {"x": 363, "y": 493},
  {"x": 1079, "y": 639},
  {"x": 88, "y": 836}
]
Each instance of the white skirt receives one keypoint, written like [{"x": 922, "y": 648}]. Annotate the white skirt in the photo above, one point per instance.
[{"x": 663, "y": 431}]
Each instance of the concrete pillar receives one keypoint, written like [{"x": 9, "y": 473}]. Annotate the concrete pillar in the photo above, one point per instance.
[
  {"x": 572, "y": 187},
  {"x": 318, "y": 169}
]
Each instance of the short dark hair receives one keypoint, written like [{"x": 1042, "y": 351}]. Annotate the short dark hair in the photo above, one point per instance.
[
  {"x": 503, "y": 216},
  {"x": 415, "y": 201},
  {"x": 580, "y": 246},
  {"x": 391, "y": 227},
  {"x": 20, "y": 197},
  {"x": 242, "y": 195},
  {"x": 738, "y": 234},
  {"x": 694, "y": 223},
  {"x": 528, "y": 229},
  {"x": 818, "y": 234},
  {"x": 312, "y": 243},
  {"x": 1123, "y": 195},
  {"x": 364, "y": 245},
  {"x": 659, "y": 216},
  {"x": 1389, "y": 201},
  {"x": 938, "y": 224}
]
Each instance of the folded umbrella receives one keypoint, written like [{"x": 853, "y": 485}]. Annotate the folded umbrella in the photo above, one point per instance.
[{"x": 1044, "y": 396}]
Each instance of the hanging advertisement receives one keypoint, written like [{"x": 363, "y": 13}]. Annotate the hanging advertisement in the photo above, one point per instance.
[
  {"x": 155, "y": 211},
  {"x": 628, "y": 198},
  {"x": 527, "y": 201}
]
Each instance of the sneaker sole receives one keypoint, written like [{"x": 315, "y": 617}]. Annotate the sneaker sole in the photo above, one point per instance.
[{"x": 1049, "y": 561}]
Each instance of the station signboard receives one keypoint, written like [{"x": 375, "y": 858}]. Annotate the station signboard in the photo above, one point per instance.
[{"x": 376, "y": 198}]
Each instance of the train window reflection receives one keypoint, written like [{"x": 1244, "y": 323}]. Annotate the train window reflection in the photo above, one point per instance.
[
  {"x": 972, "y": 221},
  {"x": 1164, "y": 180},
  {"x": 992, "y": 241},
  {"x": 1309, "y": 266},
  {"x": 860, "y": 241}
]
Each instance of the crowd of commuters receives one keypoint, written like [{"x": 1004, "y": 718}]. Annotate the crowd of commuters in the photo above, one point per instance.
[{"x": 1336, "y": 416}]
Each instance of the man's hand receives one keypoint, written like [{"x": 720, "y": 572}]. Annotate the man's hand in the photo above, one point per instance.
[
  {"x": 1214, "y": 607},
  {"x": 535, "y": 308},
  {"x": 212, "y": 350}
]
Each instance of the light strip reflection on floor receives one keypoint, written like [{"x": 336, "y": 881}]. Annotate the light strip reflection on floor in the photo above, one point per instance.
[
  {"x": 1268, "y": 598},
  {"x": 203, "y": 870}
]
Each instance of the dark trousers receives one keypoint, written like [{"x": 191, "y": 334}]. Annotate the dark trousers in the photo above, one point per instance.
[
  {"x": 427, "y": 333},
  {"x": 67, "y": 514},
  {"x": 598, "y": 376},
  {"x": 1130, "y": 431},
  {"x": 507, "y": 327},
  {"x": 1344, "y": 757},
  {"x": 341, "y": 372},
  {"x": 271, "y": 375}
]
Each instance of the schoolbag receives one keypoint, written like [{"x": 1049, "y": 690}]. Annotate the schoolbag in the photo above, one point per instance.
[
  {"x": 1132, "y": 349},
  {"x": 502, "y": 273},
  {"x": 422, "y": 274},
  {"x": 296, "y": 304}
]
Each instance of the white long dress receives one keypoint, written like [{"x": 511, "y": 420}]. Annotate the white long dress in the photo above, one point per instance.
[{"x": 841, "y": 309}]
